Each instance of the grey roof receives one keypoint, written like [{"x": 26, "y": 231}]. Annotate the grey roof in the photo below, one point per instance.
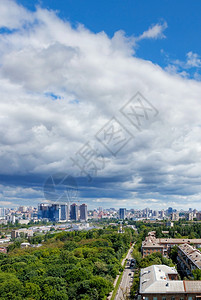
[
  {"x": 154, "y": 279},
  {"x": 192, "y": 286},
  {"x": 193, "y": 254},
  {"x": 178, "y": 241},
  {"x": 151, "y": 242},
  {"x": 151, "y": 245}
]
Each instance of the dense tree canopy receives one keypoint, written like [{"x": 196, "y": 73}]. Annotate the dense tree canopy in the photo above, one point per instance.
[{"x": 69, "y": 265}]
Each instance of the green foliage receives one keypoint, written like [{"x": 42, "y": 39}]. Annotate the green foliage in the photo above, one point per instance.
[
  {"x": 135, "y": 286},
  {"x": 70, "y": 245},
  {"x": 11, "y": 247},
  {"x": 70, "y": 265},
  {"x": 10, "y": 285},
  {"x": 197, "y": 274},
  {"x": 174, "y": 253},
  {"x": 155, "y": 259},
  {"x": 36, "y": 239},
  {"x": 32, "y": 291}
]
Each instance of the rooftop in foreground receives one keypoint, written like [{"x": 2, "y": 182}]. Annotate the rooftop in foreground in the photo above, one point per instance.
[{"x": 161, "y": 279}]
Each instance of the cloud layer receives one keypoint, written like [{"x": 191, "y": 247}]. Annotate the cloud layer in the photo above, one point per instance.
[{"x": 60, "y": 85}]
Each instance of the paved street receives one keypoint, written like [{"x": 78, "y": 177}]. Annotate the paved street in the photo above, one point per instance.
[{"x": 126, "y": 282}]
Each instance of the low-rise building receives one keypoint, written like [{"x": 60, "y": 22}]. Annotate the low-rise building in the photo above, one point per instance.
[
  {"x": 24, "y": 222},
  {"x": 169, "y": 243},
  {"x": 23, "y": 232},
  {"x": 163, "y": 245},
  {"x": 160, "y": 282},
  {"x": 149, "y": 247}
]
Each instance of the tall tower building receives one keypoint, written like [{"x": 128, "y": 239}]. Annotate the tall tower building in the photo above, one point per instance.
[
  {"x": 74, "y": 212},
  {"x": 64, "y": 212},
  {"x": 43, "y": 211},
  {"x": 55, "y": 212},
  {"x": 2, "y": 212},
  {"x": 122, "y": 213},
  {"x": 83, "y": 212}
]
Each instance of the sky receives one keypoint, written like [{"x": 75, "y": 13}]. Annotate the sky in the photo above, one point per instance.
[{"x": 101, "y": 97}]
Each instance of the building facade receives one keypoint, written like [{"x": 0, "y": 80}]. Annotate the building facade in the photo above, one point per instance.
[
  {"x": 74, "y": 212},
  {"x": 151, "y": 244},
  {"x": 53, "y": 212},
  {"x": 83, "y": 212},
  {"x": 23, "y": 232},
  {"x": 189, "y": 259},
  {"x": 122, "y": 213}
]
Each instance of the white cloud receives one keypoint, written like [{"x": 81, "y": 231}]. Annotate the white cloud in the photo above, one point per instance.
[
  {"x": 193, "y": 59},
  {"x": 154, "y": 32},
  {"x": 12, "y": 15},
  {"x": 179, "y": 67},
  {"x": 93, "y": 76}
]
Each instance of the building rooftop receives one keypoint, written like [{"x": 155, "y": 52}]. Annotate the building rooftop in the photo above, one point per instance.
[
  {"x": 192, "y": 286},
  {"x": 155, "y": 279},
  {"x": 193, "y": 254},
  {"x": 151, "y": 242},
  {"x": 151, "y": 245},
  {"x": 178, "y": 241}
]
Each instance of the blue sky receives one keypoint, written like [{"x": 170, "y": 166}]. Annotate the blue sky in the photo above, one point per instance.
[
  {"x": 68, "y": 74},
  {"x": 134, "y": 17}
]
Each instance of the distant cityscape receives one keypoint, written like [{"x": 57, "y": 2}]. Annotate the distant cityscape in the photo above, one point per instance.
[
  {"x": 63, "y": 212},
  {"x": 165, "y": 261}
]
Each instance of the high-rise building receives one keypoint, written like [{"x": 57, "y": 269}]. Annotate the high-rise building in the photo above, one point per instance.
[
  {"x": 54, "y": 212},
  {"x": 190, "y": 216},
  {"x": 83, "y": 212},
  {"x": 22, "y": 209},
  {"x": 64, "y": 212},
  {"x": 122, "y": 213},
  {"x": 155, "y": 213},
  {"x": 175, "y": 216},
  {"x": 2, "y": 212},
  {"x": 74, "y": 212},
  {"x": 43, "y": 211},
  {"x": 162, "y": 214}
]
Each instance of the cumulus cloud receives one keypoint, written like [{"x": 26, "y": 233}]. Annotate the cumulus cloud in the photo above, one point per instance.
[
  {"x": 12, "y": 15},
  {"x": 60, "y": 85},
  {"x": 188, "y": 68}
]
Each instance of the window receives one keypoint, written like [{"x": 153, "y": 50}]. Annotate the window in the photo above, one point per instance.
[
  {"x": 163, "y": 298},
  {"x": 190, "y": 298},
  {"x": 146, "y": 298},
  {"x": 154, "y": 298},
  {"x": 172, "y": 298}
]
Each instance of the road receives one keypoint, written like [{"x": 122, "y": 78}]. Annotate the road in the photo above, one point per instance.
[{"x": 126, "y": 281}]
